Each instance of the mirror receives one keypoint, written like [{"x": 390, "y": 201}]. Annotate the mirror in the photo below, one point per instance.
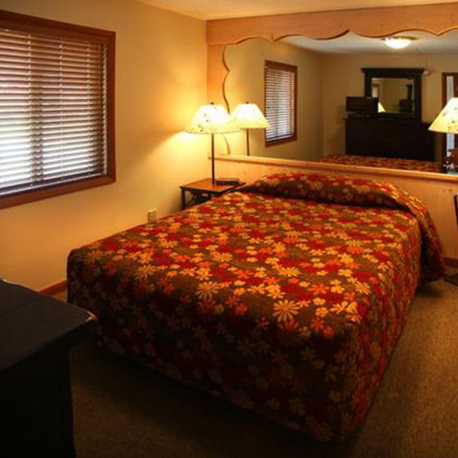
[
  {"x": 357, "y": 101},
  {"x": 394, "y": 94},
  {"x": 398, "y": 90}
]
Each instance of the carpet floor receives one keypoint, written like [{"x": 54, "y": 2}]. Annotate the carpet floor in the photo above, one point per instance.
[{"x": 122, "y": 409}]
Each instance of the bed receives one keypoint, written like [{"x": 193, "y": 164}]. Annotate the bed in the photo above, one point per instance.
[
  {"x": 389, "y": 163},
  {"x": 286, "y": 297}
]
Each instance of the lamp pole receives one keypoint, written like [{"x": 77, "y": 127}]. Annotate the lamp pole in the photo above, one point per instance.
[{"x": 213, "y": 158}]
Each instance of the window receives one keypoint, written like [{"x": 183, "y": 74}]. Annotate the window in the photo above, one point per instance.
[
  {"x": 281, "y": 102},
  {"x": 56, "y": 108}
]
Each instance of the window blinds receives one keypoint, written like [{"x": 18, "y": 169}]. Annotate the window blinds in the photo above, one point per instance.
[
  {"x": 53, "y": 122},
  {"x": 280, "y": 99}
]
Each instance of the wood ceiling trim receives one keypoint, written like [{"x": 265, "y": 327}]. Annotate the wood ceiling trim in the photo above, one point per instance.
[{"x": 369, "y": 22}]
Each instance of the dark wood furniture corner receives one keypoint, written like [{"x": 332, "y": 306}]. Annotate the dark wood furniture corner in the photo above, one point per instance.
[
  {"x": 389, "y": 137},
  {"x": 203, "y": 190},
  {"x": 36, "y": 333}
]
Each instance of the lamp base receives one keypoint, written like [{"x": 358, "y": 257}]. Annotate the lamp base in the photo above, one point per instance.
[{"x": 452, "y": 279}]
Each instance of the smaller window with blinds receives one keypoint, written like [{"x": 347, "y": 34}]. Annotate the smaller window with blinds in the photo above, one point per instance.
[
  {"x": 56, "y": 108},
  {"x": 280, "y": 102}
]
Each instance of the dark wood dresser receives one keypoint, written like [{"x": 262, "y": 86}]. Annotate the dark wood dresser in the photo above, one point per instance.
[
  {"x": 36, "y": 333},
  {"x": 388, "y": 137}
]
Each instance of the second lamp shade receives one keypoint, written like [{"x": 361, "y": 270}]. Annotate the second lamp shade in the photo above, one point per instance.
[
  {"x": 249, "y": 116},
  {"x": 447, "y": 119}
]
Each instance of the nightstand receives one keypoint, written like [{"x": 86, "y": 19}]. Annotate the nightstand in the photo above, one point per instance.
[{"x": 203, "y": 190}]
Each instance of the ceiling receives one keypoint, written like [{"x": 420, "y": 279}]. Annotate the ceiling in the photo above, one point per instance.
[
  {"x": 224, "y": 9},
  {"x": 425, "y": 43}
]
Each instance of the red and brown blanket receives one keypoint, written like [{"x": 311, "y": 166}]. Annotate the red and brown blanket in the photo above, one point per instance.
[
  {"x": 385, "y": 162},
  {"x": 287, "y": 297}
]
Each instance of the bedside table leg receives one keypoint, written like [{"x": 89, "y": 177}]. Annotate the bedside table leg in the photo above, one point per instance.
[{"x": 183, "y": 199}]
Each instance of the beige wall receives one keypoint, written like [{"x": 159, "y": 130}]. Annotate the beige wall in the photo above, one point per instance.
[
  {"x": 160, "y": 82},
  {"x": 246, "y": 83},
  {"x": 342, "y": 76}
]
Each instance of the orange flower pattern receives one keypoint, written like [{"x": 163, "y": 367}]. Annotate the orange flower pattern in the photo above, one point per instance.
[
  {"x": 287, "y": 297},
  {"x": 386, "y": 162}
]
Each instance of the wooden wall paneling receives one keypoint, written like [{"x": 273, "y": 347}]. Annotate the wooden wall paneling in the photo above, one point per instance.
[
  {"x": 217, "y": 72},
  {"x": 370, "y": 22}
]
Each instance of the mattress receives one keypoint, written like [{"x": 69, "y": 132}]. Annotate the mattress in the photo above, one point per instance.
[{"x": 287, "y": 297}]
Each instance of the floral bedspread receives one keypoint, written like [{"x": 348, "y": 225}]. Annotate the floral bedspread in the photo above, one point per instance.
[
  {"x": 287, "y": 297},
  {"x": 390, "y": 163}
]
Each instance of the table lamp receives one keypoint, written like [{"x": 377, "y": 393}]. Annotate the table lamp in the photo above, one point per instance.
[
  {"x": 212, "y": 119},
  {"x": 249, "y": 116},
  {"x": 447, "y": 123}
]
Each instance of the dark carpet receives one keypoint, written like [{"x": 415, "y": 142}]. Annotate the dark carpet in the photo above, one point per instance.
[{"x": 122, "y": 409}]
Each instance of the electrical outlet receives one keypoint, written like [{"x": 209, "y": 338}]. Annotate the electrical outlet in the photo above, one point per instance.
[{"x": 152, "y": 215}]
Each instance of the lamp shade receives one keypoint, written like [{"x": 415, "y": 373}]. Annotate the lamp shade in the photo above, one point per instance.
[
  {"x": 211, "y": 119},
  {"x": 447, "y": 120},
  {"x": 249, "y": 116}
]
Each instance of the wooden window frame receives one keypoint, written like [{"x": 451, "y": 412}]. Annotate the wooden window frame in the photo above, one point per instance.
[
  {"x": 31, "y": 24},
  {"x": 292, "y": 69}
]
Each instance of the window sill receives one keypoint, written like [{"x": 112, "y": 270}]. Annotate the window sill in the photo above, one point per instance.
[
  {"x": 57, "y": 190},
  {"x": 281, "y": 141}
]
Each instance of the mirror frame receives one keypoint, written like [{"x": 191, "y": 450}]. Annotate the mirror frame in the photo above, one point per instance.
[{"x": 414, "y": 74}]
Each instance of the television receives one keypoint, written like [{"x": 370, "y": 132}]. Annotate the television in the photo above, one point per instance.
[{"x": 362, "y": 105}]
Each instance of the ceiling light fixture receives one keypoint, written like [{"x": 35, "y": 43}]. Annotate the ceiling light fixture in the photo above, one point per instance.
[{"x": 398, "y": 42}]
